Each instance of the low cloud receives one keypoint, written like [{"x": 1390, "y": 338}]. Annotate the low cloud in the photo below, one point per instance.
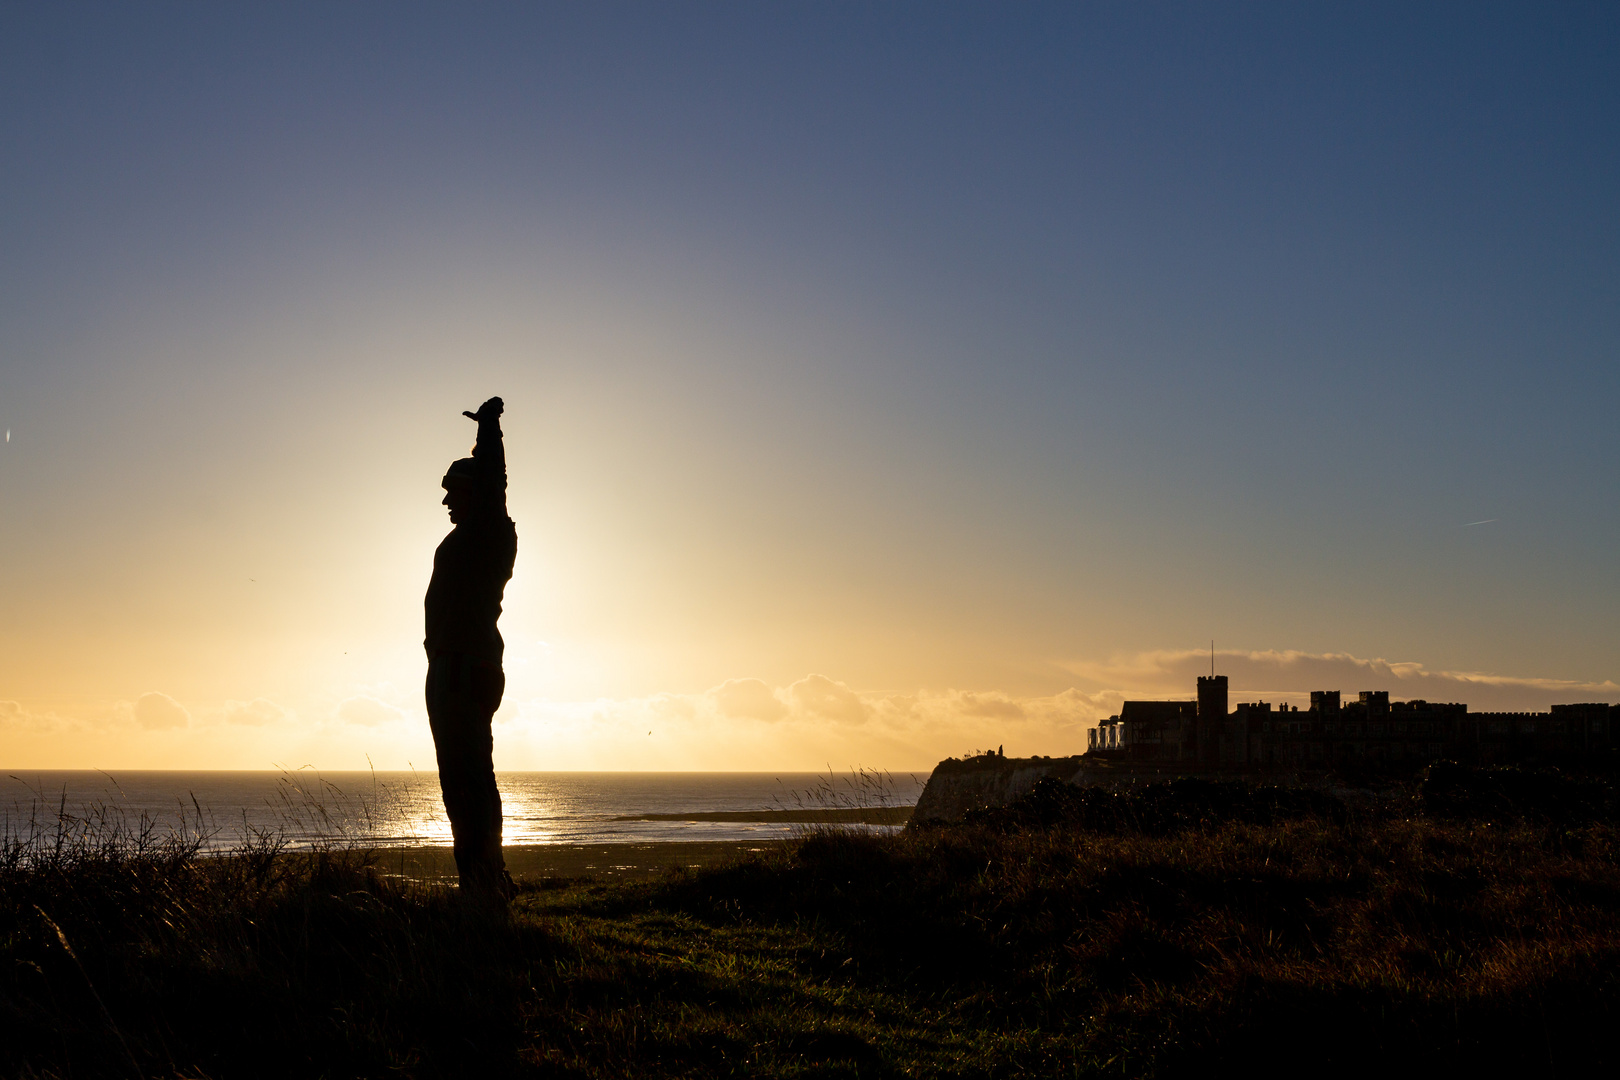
[
  {"x": 1289, "y": 675},
  {"x": 994, "y": 706},
  {"x": 156, "y": 712},
  {"x": 367, "y": 711},
  {"x": 1067, "y": 707},
  {"x": 817, "y": 720},
  {"x": 255, "y": 713},
  {"x": 748, "y": 698},
  {"x": 21, "y": 720},
  {"x": 807, "y": 724},
  {"x": 818, "y": 697}
]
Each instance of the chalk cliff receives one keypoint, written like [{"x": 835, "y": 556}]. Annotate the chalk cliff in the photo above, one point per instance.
[{"x": 958, "y": 785}]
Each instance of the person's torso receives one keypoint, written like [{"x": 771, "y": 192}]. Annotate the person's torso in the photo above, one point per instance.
[{"x": 470, "y": 570}]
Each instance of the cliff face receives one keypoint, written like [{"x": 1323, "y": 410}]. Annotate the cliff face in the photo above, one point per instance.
[{"x": 959, "y": 785}]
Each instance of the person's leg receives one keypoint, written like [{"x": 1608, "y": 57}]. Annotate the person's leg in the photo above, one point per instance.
[
  {"x": 459, "y": 715},
  {"x": 477, "y": 820},
  {"x": 487, "y": 686},
  {"x": 484, "y": 825},
  {"x": 444, "y": 705}
]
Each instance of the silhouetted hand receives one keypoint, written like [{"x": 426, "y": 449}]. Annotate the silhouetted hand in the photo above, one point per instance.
[{"x": 490, "y": 410}]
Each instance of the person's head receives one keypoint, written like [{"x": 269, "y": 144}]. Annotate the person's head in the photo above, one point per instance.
[
  {"x": 462, "y": 491},
  {"x": 460, "y": 498}
]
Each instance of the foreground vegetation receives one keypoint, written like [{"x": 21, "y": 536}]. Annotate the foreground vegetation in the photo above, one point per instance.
[{"x": 1190, "y": 928}]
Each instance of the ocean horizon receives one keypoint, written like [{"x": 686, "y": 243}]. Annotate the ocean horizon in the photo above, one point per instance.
[{"x": 223, "y": 809}]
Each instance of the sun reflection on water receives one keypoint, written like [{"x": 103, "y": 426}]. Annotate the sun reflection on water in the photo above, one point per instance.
[{"x": 413, "y": 813}]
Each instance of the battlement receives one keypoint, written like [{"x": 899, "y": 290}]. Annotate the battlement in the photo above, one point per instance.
[{"x": 1333, "y": 732}]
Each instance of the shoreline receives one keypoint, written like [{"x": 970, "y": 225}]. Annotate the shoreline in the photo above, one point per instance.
[
  {"x": 625, "y": 861},
  {"x": 851, "y": 815}
]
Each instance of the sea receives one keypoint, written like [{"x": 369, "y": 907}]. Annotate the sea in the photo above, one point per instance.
[{"x": 225, "y": 810}]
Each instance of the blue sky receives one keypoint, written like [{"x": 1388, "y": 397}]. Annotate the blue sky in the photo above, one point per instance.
[{"x": 921, "y": 348}]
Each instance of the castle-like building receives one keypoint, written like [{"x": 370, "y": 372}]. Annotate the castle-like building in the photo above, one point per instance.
[{"x": 1332, "y": 732}]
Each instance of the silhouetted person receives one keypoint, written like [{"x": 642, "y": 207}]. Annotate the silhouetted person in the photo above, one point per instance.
[{"x": 464, "y": 648}]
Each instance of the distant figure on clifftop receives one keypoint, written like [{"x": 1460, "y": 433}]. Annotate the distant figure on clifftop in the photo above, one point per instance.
[{"x": 464, "y": 649}]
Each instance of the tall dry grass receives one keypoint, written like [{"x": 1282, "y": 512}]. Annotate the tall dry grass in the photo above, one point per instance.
[{"x": 1175, "y": 931}]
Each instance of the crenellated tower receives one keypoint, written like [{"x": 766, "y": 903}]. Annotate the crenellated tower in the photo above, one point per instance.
[{"x": 1211, "y": 716}]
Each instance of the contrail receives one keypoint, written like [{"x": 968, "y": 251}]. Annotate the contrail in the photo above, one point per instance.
[{"x": 1487, "y": 521}]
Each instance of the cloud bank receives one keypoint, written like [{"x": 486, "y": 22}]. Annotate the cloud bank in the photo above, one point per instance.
[
  {"x": 255, "y": 713},
  {"x": 817, "y": 720},
  {"x": 742, "y": 723},
  {"x": 367, "y": 711},
  {"x": 155, "y": 711},
  {"x": 808, "y": 724}
]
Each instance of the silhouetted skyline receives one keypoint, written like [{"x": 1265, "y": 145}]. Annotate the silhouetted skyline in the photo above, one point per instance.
[{"x": 1370, "y": 731}]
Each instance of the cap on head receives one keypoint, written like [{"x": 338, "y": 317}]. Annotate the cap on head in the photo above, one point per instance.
[{"x": 462, "y": 471}]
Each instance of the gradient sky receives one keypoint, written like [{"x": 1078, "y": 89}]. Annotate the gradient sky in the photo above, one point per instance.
[{"x": 883, "y": 381}]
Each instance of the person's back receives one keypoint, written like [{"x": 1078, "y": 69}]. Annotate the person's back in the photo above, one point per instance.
[{"x": 464, "y": 648}]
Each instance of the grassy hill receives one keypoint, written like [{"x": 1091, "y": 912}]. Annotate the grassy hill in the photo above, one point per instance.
[{"x": 1169, "y": 932}]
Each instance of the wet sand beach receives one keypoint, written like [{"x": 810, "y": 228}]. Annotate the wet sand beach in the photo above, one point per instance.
[
  {"x": 631, "y": 860},
  {"x": 533, "y": 862}
]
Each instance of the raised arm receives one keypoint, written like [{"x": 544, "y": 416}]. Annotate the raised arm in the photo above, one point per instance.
[{"x": 489, "y": 452}]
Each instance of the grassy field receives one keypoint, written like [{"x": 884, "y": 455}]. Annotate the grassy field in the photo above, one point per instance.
[{"x": 1173, "y": 932}]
